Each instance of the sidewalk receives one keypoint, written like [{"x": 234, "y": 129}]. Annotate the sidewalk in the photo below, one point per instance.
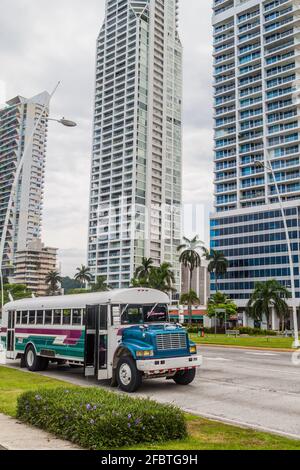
[{"x": 17, "y": 436}]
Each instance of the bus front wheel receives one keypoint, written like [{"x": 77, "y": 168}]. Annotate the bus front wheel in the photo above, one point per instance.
[
  {"x": 185, "y": 377},
  {"x": 128, "y": 376},
  {"x": 33, "y": 362}
]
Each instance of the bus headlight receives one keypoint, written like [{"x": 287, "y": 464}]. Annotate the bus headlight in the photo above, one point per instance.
[
  {"x": 193, "y": 349},
  {"x": 148, "y": 353}
]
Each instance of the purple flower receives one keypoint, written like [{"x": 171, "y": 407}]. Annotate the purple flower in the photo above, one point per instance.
[
  {"x": 88, "y": 407},
  {"x": 137, "y": 422},
  {"x": 95, "y": 407},
  {"x": 129, "y": 425},
  {"x": 129, "y": 416}
]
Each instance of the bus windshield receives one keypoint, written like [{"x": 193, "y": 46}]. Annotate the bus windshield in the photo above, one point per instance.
[{"x": 139, "y": 314}]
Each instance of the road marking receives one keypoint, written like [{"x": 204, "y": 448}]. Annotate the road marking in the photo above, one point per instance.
[
  {"x": 261, "y": 354},
  {"x": 217, "y": 359}
]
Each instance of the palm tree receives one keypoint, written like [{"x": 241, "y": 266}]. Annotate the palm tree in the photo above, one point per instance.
[
  {"x": 218, "y": 264},
  {"x": 168, "y": 276},
  {"x": 100, "y": 285},
  {"x": 142, "y": 272},
  {"x": 267, "y": 296},
  {"x": 191, "y": 298},
  {"x": 191, "y": 259},
  {"x": 161, "y": 278},
  {"x": 53, "y": 279},
  {"x": 83, "y": 275}
]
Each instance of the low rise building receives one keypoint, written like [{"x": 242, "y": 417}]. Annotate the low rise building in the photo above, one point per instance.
[{"x": 32, "y": 266}]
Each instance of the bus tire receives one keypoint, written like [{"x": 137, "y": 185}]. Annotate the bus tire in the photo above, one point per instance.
[
  {"x": 185, "y": 377},
  {"x": 128, "y": 376},
  {"x": 33, "y": 362}
]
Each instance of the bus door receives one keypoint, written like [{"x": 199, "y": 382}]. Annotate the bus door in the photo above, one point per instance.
[
  {"x": 11, "y": 335},
  {"x": 96, "y": 342}
]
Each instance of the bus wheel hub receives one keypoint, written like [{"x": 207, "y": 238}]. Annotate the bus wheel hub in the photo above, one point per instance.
[{"x": 125, "y": 374}]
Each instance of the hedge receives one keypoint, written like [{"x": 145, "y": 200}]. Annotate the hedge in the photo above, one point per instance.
[
  {"x": 97, "y": 419},
  {"x": 243, "y": 331}
]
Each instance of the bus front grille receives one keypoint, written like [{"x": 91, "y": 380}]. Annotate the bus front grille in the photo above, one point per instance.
[{"x": 171, "y": 341}]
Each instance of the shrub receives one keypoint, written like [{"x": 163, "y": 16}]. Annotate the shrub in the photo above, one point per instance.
[
  {"x": 98, "y": 419},
  {"x": 256, "y": 332}
]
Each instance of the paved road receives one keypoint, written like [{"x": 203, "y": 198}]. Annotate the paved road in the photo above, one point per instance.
[{"x": 249, "y": 388}]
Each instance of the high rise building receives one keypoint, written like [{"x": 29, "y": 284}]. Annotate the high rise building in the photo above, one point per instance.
[
  {"x": 136, "y": 179},
  {"x": 32, "y": 266},
  {"x": 17, "y": 121},
  {"x": 257, "y": 119}
]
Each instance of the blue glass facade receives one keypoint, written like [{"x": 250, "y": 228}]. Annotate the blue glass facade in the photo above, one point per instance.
[{"x": 255, "y": 246}]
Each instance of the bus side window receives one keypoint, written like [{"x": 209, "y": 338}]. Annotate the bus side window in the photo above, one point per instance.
[
  {"x": 76, "y": 317},
  {"x": 39, "y": 317},
  {"x": 67, "y": 317},
  {"x": 32, "y": 317},
  {"x": 18, "y": 318},
  {"x": 48, "y": 317},
  {"x": 57, "y": 317},
  {"x": 24, "y": 318}
]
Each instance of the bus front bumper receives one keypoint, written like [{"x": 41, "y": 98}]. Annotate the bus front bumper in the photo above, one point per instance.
[{"x": 169, "y": 366}]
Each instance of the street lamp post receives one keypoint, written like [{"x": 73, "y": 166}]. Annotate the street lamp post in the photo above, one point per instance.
[
  {"x": 64, "y": 122},
  {"x": 269, "y": 167}
]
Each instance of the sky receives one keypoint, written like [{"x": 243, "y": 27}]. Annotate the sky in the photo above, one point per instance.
[{"x": 55, "y": 41}]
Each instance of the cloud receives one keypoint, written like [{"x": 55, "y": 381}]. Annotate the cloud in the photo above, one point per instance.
[{"x": 42, "y": 42}]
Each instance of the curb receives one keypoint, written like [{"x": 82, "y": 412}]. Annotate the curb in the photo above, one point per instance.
[{"x": 250, "y": 348}]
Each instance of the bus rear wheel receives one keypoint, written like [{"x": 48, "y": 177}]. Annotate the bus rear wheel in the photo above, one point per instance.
[
  {"x": 185, "y": 377},
  {"x": 33, "y": 362},
  {"x": 128, "y": 376}
]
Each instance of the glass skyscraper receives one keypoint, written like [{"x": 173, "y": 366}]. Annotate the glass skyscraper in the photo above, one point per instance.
[
  {"x": 136, "y": 177},
  {"x": 17, "y": 123},
  {"x": 257, "y": 119}
]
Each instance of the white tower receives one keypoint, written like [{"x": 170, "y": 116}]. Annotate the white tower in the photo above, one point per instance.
[
  {"x": 17, "y": 121},
  {"x": 136, "y": 178}
]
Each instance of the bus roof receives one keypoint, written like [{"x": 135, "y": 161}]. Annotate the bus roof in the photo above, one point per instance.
[{"x": 121, "y": 296}]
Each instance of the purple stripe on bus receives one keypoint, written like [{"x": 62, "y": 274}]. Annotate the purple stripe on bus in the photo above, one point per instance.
[
  {"x": 72, "y": 336},
  {"x": 3, "y": 330}
]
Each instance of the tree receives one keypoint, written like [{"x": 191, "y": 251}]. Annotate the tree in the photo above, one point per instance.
[
  {"x": 161, "y": 278},
  {"x": 191, "y": 259},
  {"x": 17, "y": 291},
  {"x": 53, "y": 280},
  {"x": 190, "y": 298},
  {"x": 83, "y": 275},
  {"x": 267, "y": 296},
  {"x": 217, "y": 264},
  {"x": 100, "y": 285},
  {"x": 221, "y": 306},
  {"x": 143, "y": 271}
]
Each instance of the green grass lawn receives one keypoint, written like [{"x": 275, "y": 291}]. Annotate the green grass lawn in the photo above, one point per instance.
[
  {"x": 203, "y": 434},
  {"x": 247, "y": 341}
]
